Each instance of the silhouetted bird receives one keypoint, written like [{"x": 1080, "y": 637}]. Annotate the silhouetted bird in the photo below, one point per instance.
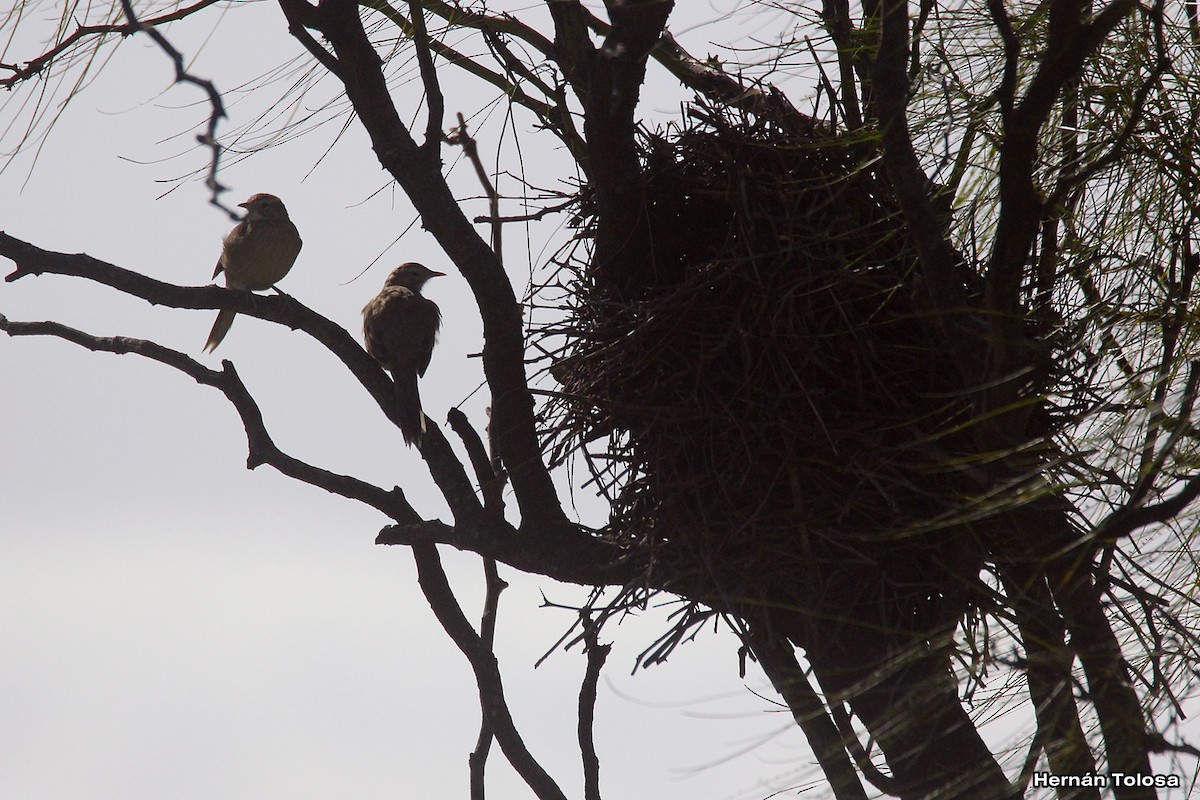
[
  {"x": 400, "y": 327},
  {"x": 256, "y": 254}
]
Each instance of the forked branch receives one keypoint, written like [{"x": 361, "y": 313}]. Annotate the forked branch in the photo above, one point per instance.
[{"x": 263, "y": 449}]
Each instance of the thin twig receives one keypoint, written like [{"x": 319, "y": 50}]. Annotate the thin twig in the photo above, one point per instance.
[
  {"x": 432, "y": 578},
  {"x": 209, "y": 138},
  {"x": 596, "y": 655},
  {"x": 262, "y": 450},
  {"x": 434, "y": 101},
  {"x": 463, "y": 139},
  {"x": 36, "y": 65}
]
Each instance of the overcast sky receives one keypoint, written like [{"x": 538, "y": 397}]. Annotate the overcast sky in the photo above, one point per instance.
[{"x": 177, "y": 626}]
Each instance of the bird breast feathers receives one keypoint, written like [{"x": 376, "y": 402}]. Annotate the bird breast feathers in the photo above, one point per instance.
[{"x": 257, "y": 254}]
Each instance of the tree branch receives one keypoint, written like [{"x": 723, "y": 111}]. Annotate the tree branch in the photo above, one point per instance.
[
  {"x": 491, "y": 482},
  {"x": 1006, "y": 92},
  {"x": 1048, "y": 673},
  {"x": 720, "y": 86},
  {"x": 492, "y": 486},
  {"x": 945, "y": 292},
  {"x": 1117, "y": 706},
  {"x": 835, "y": 18},
  {"x": 558, "y": 118},
  {"x": 862, "y": 659},
  {"x": 609, "y": 82},
  {"x": 36, "y": 65},
  {"x": 778, "y": 661},
  {"x": 567, "y": 552},
  {"x": 570, "y": 553},
  {"x": 301, "y": 17},
  {"x": 434, "y": 101},
  {"x": 420, "y": 177},
  {"x": 1021, "y": 206},
  {"x": 447, "y": 472},
  {"x": 862, "y": 758},
  {"x": 544, "y": 111},
  {"x": 445, "y": 607},
  {"x": 1076, "y": 174},
  {"x": 262, "y": 449},
  {"x": 209, "y": 138},
  {"x": 572, "y": 49},
  {"x": 506, "y": 24},
  {"x": 462, "y": 138},
  {"x": 597, "y": 654},
  {"x": 1125, "y": 521},
  {"x": 477, "y": 761}
]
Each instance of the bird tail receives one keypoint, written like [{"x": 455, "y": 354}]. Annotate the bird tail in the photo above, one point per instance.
[
  {"x": 219, "y": 329},
  {"x": 408, "y": 401}
]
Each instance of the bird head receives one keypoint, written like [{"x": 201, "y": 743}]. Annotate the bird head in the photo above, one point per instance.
[
  {"x": 264, "y": 206},
  {"x": 411, "y": 276}
]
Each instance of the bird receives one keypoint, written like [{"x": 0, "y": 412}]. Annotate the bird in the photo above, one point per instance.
[
  {"x": 400, "y": 327},
  {"x": 256, "y": 254}
]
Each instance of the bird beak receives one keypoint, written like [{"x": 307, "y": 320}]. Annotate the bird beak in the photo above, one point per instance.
[
  {"x": 245, "y": 205},
  {"x": 435, "y": 274}
]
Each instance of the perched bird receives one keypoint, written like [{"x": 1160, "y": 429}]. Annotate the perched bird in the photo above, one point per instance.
[
  {"x": 400, "y": 327},
  {"x": 256, "y": 254}
]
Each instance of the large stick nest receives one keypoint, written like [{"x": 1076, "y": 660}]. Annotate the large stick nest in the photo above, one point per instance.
[{"x": 779, "y": 418}]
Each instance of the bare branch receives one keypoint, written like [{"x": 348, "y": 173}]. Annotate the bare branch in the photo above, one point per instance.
[
  {"x": 433, "y": 90},
  {"x": 445, "y": 607},
  {"x": 609, "y": 82},
  {"x": 504, "y": 24},
  {"x": 535, "y": 216},
  {"x": 572, "y": 50},
  {"x": 570, "y": 554},
  {"x": 463, "y": 139},
  {"x": 1122, "y": 722},
  {"x": 862, "y": 759},
  {"x": 720, "y": 86},
  {"x": 262, "y": 449},
  {"x": 491, "y": 482},
  {"x": 1021, "y": 207},
  {"x": 1077, "y": 174},
  {"x": 421, "y": 178},
  {"x": 549, "y": 113},
  {"x": 561, "y": 121},
  {"x": 597, "y": 654},
  {"x": 492, "y": 486},
  {"x": 835, "y": 17},
  {"x": 35, "y": 66},
  {"x": 1006, "y": 92},
  {"x": 1127, "y": 521},
  {"x": 940, "y": 263},
  {"x": 301, "y": 16},
  {"x": 1048, "y": 672},
  {"x": 209, "y": 138},
  {"x": 447, "y": 472},
  {"x": 778, "y": 660},
  {"x": 477, "y": 760}
]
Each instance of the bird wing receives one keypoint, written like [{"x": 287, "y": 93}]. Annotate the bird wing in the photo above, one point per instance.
[
  {"x": 428, "y": 320},
  {"x": 230, "y": 245},
  {"x": 400, "y": 327}
]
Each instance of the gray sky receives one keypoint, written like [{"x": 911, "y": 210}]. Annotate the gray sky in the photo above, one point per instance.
[{"x": 177, "y": 626}]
